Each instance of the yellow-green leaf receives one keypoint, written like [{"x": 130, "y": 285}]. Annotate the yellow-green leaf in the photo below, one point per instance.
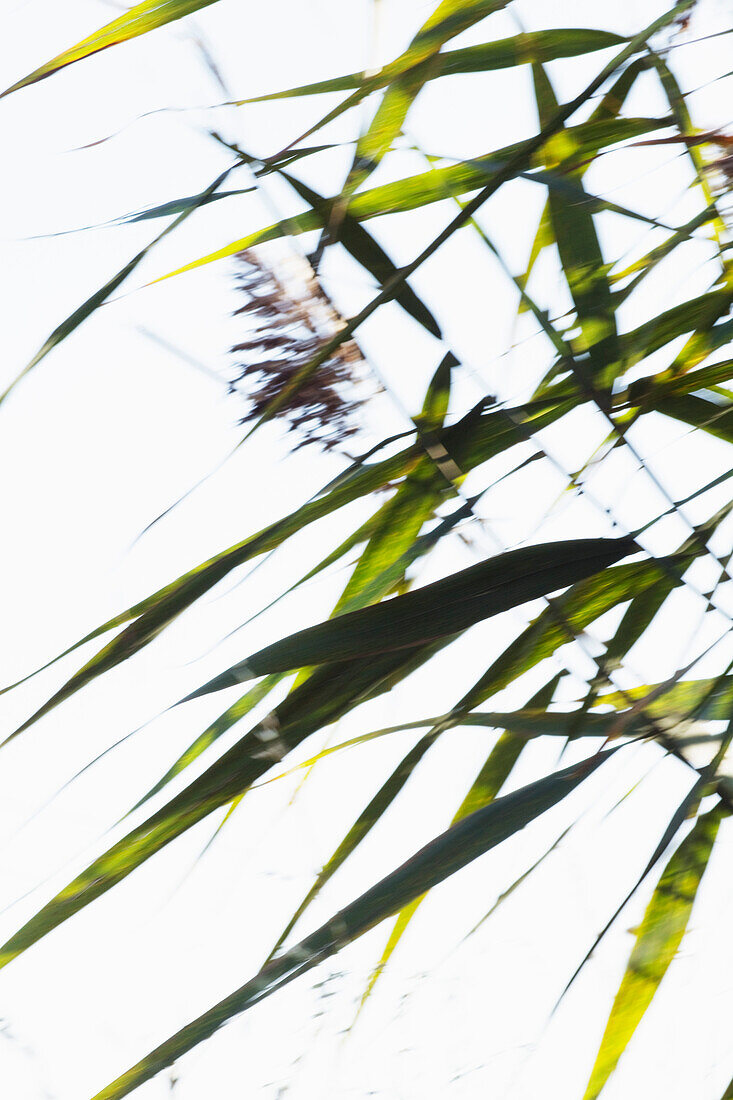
[
  {"x": 138, "y": 20},
  {"x": 657, "y": 941}
]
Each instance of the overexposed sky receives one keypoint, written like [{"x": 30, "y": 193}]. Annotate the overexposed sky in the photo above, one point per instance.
[{"x": 110, "y": 429}]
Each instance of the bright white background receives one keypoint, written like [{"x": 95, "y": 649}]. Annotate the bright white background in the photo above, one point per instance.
[{"x": 110, "y": 429}]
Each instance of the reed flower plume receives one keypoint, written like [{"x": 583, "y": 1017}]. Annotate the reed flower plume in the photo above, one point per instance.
[{"x": 289, "y": 317}]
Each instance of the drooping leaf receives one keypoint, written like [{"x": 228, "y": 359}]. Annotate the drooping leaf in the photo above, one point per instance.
[
  {"x": 364, "y": 248},
  {"x": 439, "y": 859},
  {"x": 570, "y": 614}
]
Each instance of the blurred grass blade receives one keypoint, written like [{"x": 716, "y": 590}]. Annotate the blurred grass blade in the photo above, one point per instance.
[
  {"x": 439, "y": 609},
  {"x": 608, "y": 109},
  {"x": 708, "y": 700},
  {"x": 685, "y": 809},
  {"x": 403, "y": 79},
  {"x": 705, "y": 378},
  {"x": 715, "y": 417},
  {"x": 647, "y": 263},
  {"x": 543, "y": 238},
  {"x": 403, "y": 517},
  {"x": 680, "y": 110},
  {"x": 491, "y": 778},
  {"x": 442, "y": 857},
  {"x": 212, "y": 733},
  {"x": 547, "y": 45},
  {"x": 518, "y": 882},
  {"x": 657, "y": 941},
  {"x": 97, "y": 299},
  {"x": 138, "y": 20},
  {"x": 366, "y": 251},
  {"x": 580, "y": 253},
  {"x": 699, "y": 314},
  {"x": 437, "y": 396}
]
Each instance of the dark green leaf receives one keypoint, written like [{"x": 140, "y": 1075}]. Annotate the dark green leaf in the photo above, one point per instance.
[
  {"x": 439, "y": 609},
  {"x": 439, "y": 859},
  {"x": 479, "y": 435},
  {"x": 328, "y": 693}
]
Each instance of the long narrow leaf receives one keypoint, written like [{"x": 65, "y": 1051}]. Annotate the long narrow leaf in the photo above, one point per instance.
[
  {"x": 439, "y": 609},
  {"x": 547, "y": 45},
  {"x": 439, "y": 859},
  {"x": 138, "y": 20},
  {"x": 329, "y": 693},
  {"x": 100, "y": 296},
  {"x": 366, "y": 251},
  {"x": 657, "y": 941},
  {"x": 580, "y": 254},
  {"x": 683, "y": 811},
  {"x": 492, "y": 776}
]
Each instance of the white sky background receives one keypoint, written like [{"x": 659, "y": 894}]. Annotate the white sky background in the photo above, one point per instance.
[{"x": 110, "y": 429}]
